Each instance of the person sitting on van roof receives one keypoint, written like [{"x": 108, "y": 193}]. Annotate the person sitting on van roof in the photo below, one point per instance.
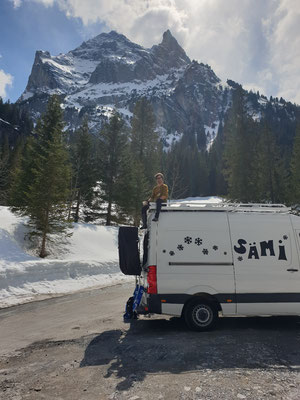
[{"x": 159, "y": 195}]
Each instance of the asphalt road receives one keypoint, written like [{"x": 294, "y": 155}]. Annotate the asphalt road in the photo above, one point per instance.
[{"x": 77, "y": 347}]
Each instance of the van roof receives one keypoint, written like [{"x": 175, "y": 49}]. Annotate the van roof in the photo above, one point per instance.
[{"x": 224, "y": 207}]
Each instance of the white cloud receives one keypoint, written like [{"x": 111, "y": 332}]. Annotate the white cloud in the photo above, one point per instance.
[
  {"x": 47, "y": 3},
  {"x": 284, "y": 39},
  {"x": 5, "y": 80},
  {"x": 16, "y": 3},
  {"x": 247, "y": 41}
]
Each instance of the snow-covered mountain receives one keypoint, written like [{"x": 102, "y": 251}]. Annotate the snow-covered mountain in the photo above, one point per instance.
[{"x": 109, "y": 71}]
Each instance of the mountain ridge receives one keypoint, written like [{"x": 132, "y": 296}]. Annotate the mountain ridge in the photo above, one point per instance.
[{"x": 109, "y": 71}]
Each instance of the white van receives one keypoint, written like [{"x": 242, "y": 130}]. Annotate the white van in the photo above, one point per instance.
[{"x": 203, "y": 261}]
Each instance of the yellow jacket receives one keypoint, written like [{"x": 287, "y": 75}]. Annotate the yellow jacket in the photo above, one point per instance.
[{"x": 159, "y": 191}]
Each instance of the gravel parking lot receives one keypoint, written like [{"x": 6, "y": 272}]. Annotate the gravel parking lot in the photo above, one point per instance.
[{"x": 77, "y": 347}]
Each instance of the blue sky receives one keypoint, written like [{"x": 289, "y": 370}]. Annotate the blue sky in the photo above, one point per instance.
[
  {"x": 254, "y": 42},
  {"x": 32, "y": 27}
]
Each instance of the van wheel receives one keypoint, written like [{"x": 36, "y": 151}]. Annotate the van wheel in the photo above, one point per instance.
[{"x": 201, "y": 316}]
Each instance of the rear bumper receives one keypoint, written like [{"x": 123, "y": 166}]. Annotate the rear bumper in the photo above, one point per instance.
[
  {"x": 169, "y": 304},
  {"x": 154, "y": 304}
]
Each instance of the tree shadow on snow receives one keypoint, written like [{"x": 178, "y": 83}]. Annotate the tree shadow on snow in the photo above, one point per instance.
[{"x": 167, "y": 346}]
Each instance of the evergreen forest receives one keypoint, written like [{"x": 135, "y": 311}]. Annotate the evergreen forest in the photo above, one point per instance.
[{"x": 55, "y": 177}]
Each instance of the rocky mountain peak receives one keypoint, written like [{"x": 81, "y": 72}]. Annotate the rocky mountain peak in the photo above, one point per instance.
[
  {"x": 105, "y": 45},
  {"x": 169, "y": 53},
  {"x": 114, "y": 35},
  {"x": 111, "y": 36},
  {"x": 40, "y": 76},
  {"x": 170, "y": 42}
]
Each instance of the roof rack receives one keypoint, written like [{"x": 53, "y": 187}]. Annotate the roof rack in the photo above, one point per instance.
[
  {"x": 225, "y": 206},
  {"x": 261, "y": 207}
]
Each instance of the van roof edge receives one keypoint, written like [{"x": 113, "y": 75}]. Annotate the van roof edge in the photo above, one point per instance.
[{"x": 232, "y": 207}]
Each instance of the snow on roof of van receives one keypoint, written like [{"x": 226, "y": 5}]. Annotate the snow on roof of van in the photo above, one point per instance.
[{"x": 196, "y": 201}]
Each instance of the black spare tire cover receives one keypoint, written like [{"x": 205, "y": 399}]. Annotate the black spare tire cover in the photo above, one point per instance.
[{"x": 129, "y": 257}]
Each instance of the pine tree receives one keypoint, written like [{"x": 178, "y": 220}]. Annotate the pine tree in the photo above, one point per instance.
[
  {"x": 16, "y": 154},
  {"x": 146, "y": 152},
  {"x": 144, "y": 140},
  {"x": 15, "y": 161},
  {"x": 186, "y": 169},
  {"x": 84, "y": 168},
  {"x": 217, "y": 183},
  {"x": 202, "y": 174},
  {"x": 4, "y": 171},
  {"x": 133, "y": 187},
  {"x": 295, "y": 169},
  {"x": 270, "y": 175},
  {"x": 112, "y": 143},
  {"x": 22, "y": 174},
  {"x": 43, "y": 186},
  {"x": 174, "y": 173},
  {"x": 238, "y": 156}
]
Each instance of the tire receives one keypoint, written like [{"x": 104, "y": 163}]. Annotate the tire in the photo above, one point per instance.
[{"x": 201, "y": 315}]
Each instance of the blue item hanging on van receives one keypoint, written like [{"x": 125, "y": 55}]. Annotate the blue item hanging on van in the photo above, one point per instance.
[{"x": 133, "y": 303}]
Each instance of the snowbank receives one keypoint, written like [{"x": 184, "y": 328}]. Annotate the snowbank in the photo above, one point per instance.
[{"x": 89, "y": 258}]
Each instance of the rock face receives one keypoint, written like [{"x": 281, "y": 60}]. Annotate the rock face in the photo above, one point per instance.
[{"x": 109, "y": 71}]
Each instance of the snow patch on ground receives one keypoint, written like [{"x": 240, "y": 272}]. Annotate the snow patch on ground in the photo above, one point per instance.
[{"x": 88, "y": 259}]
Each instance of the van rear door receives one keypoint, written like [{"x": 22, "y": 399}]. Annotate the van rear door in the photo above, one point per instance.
[{"x": 266, "y": 264}]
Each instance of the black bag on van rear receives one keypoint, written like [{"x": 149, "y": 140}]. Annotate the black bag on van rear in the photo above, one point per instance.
[{"x": 129, "y": 257}]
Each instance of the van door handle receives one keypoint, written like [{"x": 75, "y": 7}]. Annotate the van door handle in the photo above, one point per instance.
[{"x": 292, "y": 270}]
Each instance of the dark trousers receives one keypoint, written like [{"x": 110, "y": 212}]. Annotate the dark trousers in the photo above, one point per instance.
[{"x": 146, "y": 208}]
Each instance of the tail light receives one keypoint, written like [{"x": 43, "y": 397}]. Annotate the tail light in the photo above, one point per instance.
[{"x": 152, "y": 280}]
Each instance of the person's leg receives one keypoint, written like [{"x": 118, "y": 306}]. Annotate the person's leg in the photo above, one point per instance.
[
  {"x": 158, "y": 208},
  {"x": 144, "y": 215}
]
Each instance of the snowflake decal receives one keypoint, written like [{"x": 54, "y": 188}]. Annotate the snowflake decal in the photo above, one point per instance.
[
  {"x": 240, "y": 258},
  {"x": 198, "y": 241},
  {"x": 188, "y": 240},
  {"x": 205, "y": 251},
  {"x": 285, "y": 237},
  {"x": 171, "y": 253},
  {"x": 180, "y": 247},
  {"x": 215, "y": 247}
]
